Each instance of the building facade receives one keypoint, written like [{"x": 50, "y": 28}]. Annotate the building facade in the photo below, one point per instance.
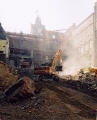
[
  {"x": 37, "y": 28},
  {"x": 42, "y": 48},
  {"x": 83, "y": 38}
]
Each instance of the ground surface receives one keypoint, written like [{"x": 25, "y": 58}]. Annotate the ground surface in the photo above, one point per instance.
[
  {"x": 54, "y": 102},
  {"x": 66, "y": 99}
]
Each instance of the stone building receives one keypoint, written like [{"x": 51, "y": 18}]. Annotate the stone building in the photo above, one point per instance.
[
  {"x": 84, "y": 39},
  {"x": 42, "y": 47},
  {"x": 37, "y": 28}
]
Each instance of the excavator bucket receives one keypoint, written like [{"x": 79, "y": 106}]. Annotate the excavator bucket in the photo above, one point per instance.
[{"x": 58, "y": 68}]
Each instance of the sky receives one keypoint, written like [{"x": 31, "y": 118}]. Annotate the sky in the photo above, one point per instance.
[{"x": 18, "y": 15}]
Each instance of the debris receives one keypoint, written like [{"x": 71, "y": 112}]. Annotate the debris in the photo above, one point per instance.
[
  {"x": 7, "y": 77},
  {"x": 84, "y": 82},
  {"x": 28, "y": 87},
  {"x": 11, "y": 87},
  {"x": 12, "y": 91},
  {"x": 54, "y": 100},
  {"x": 22, "y": 88}
]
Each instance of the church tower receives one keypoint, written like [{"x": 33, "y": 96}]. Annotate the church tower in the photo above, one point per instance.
[{"x": 37, "y": 28}]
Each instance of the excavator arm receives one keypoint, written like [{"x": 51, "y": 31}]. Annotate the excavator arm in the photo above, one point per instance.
[{"x": 57, "y": 59}]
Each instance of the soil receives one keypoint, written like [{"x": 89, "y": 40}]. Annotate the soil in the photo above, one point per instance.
[
  {"x": 65, "y": 99},
  {"x": 52, "y": 103}
]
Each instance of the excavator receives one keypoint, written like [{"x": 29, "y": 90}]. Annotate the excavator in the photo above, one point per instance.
[{"x": 50, "y": 71}]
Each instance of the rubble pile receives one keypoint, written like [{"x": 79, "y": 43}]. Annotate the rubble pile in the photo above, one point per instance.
[
  {"x": 84, "y": 82},
  {"x": 6, "y": 76},
  {"x": 12, "y": 87},
  {"x": 28, "y": 87},
  {"x": 88, "y": 78}
]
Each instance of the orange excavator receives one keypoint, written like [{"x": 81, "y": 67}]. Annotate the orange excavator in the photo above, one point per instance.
[{"x": 50, "y": 71}]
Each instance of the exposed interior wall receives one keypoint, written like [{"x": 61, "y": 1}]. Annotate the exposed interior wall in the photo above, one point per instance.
[{"x": 42, "y": 48}]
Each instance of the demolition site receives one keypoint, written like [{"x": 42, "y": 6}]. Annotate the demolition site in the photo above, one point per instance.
[{"x": 49, "y": 75}]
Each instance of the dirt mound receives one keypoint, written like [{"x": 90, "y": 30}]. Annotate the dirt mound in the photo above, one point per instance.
[
  {"x": 7, "y": 77},
  {"x": 13, "y": 87},
  {"x": 28, "y": 87},
  {"x": 22, "y": 88}
]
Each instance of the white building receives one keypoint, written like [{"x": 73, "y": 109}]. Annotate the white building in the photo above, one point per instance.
[{"x": 84, "y": 38}]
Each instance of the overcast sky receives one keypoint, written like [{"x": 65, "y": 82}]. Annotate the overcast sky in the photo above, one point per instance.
[{"x": 17, "y": 15}]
